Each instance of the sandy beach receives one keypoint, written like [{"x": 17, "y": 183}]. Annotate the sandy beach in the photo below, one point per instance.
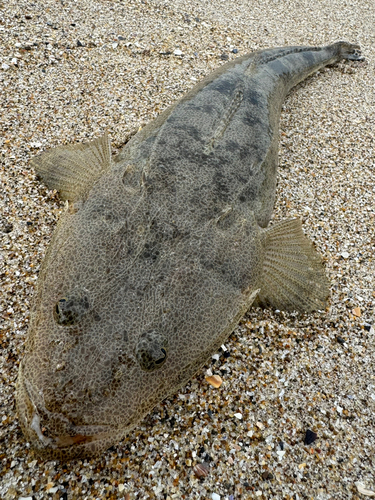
[{"x": 294, "y": 416}]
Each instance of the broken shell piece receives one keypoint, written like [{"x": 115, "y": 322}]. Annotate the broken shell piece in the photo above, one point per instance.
[
  {"x": 202, "y": 470},
  {"x": 357, "y": 312},
  {"x": 215, "y": 381},
  {"x": 361, "y": 489}
]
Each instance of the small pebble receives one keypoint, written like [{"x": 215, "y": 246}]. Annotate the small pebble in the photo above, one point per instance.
[
  {"x": 266, "y": 475},
  {"x": 310, "y": 437}
]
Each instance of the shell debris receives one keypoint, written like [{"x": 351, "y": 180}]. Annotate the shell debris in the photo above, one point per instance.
[
  {"x": 215, "y": 381},
  {"x": 363, "y": 490},
  {"x": 201, "y": 470}
]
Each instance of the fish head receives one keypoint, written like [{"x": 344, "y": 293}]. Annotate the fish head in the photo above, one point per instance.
[{"x": 130, "y": 304}]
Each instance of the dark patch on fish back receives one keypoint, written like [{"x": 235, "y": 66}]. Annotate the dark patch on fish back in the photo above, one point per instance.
[{"x": 223, "y": 86}]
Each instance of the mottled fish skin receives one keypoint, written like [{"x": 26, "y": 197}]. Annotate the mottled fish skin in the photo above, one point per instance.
[{"x": 161, "y": 252}]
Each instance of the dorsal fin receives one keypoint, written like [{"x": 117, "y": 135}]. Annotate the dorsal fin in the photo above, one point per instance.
[{"x": 73, "y": 169}]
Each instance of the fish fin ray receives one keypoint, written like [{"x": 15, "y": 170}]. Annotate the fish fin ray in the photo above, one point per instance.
[
  {"x": 293, "y": 274},
  {"x": 73, "y": 169}
]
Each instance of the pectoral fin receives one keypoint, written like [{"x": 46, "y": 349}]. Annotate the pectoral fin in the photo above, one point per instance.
[
  {"x": 73, "y": 169},
  {"x": 293, "y": 274}
]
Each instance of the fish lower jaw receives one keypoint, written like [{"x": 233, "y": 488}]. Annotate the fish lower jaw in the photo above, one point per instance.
[
  {"x": 79, "y": 435},
  {"x": 81, "y": 441},
  {"x": 50, "y": 443}
]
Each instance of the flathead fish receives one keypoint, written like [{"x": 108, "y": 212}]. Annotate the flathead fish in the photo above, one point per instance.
[{"x": 159, "y": 253}]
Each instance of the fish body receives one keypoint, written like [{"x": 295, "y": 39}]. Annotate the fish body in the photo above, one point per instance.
[{"x": 160, "y": 252}]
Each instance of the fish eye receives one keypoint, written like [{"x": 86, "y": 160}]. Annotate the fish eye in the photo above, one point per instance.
[
  {"x": 69, "y": 310},
  {"x": 151, "y": 351},
  {"x": 163, "y": 358}
]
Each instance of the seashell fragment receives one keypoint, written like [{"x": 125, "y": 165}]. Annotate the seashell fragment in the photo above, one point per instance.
[
  {"x": 361, "y": 489},
  {"x": 201, "y": 470},
  {"x": 215, "y": 381}
]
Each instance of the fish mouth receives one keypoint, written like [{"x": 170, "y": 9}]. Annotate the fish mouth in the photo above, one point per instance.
[{"x": 53, "y": 435}]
